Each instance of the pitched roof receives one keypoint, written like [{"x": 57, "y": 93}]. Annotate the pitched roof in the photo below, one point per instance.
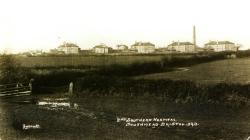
[
  {"x": 101, "y": 46},
  {"x": 218, "y": 42},
  {"x": 180, "y": 43},
  {"x": 68, "y": 45},
  {"x": 143, "y": 44},
  {"x": 121, "y": 45}
]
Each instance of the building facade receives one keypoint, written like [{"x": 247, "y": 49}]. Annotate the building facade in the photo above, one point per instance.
[
  {"x": 68, "y": 48},
  {"x": 183, "y": 47},
  {"x": 219, "y": 46},
  {"x": 143, "y": 47},
  {"x": 102, "y": 49}
]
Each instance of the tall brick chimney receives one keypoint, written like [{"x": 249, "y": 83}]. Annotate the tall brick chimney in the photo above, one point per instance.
[{"x": 194, "y": 37}]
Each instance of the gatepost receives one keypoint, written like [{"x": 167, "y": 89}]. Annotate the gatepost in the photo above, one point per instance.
[
  {"x": 71, "y": 85},
  {"x": 31, "y": 85}
]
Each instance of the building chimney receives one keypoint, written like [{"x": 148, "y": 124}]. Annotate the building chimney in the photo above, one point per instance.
[{"x": 194, "y": 37}]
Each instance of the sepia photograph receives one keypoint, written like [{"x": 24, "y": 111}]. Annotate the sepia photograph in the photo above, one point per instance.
[{"x": 124, "y": 70}]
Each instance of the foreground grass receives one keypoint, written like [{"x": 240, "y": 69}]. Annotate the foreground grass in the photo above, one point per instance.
[{"x": 215, "y": 121}]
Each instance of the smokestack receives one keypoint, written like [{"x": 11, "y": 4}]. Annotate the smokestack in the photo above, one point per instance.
[{"x": 194, "y": 37}]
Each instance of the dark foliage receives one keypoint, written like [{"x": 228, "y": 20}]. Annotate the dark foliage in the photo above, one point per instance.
[
  {"x": 178, "y": 91},
  {"x": 11, "y": 70},
  {"x": 56, "y": 78},
  {"x": 241, "y": 54},
  {"x": 65, "y": 67},
  {"x": 166, "y": 64}
]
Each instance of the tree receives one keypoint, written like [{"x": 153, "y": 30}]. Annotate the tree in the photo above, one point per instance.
[{"x": 11, "y": 70}]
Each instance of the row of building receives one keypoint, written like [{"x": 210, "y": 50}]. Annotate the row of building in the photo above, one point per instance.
[{"x": 147, "y": 47}]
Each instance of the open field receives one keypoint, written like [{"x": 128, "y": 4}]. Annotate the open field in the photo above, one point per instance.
[
  {"x": 229, "y": 71},
  {"x": 85, "y": 60}
]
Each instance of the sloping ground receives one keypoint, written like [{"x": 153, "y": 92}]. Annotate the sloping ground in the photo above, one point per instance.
[{"x": 230, "y": 70}]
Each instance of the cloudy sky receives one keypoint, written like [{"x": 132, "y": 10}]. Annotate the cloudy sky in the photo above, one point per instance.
[{"x": 44, "y": 24}]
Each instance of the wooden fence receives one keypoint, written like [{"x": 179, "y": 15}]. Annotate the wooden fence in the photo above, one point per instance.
[{"x": 15, "y": 89}]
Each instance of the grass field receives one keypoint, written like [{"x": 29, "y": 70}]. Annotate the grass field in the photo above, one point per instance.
[
  {"x": 229, "y": 71},
  {"x": 85, "y": 60}
]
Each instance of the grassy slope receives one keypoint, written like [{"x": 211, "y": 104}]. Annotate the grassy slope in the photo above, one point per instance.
[{"x": 229, "y": 71}]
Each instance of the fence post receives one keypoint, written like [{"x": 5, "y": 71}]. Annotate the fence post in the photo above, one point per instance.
[
  {"x": 71, "y": 85},
  {"x": 31, "y": 85}
]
